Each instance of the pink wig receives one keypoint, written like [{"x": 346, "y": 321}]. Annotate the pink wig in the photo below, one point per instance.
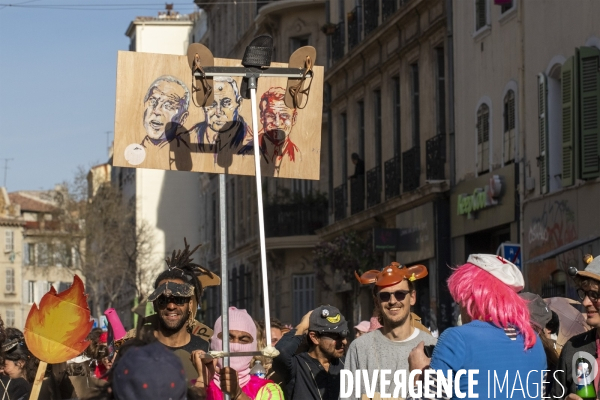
[{"x": 485, "y": 297}]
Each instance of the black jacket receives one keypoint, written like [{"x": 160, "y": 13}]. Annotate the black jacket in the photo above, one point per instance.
[
  {"x": 303, "y": 376},
  {"x": 564, "y": 373}
]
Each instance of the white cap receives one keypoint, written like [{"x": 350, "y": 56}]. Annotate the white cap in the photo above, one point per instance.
[{"x": 501, "y": 268}]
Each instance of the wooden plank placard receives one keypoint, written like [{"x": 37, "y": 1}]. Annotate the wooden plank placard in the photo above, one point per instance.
[{"x": 159, "y": 126}]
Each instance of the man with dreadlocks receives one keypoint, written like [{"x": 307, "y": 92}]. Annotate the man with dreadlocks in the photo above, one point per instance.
[{"x": 177, "y": 294}]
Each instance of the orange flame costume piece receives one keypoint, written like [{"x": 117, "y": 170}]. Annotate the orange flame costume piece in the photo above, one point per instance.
[{"x": 56, "y": 330}]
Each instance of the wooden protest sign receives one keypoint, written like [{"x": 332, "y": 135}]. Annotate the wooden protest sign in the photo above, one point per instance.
[
  {"x": 56, "y": 329},
  {"x": 158, "y": 125}
]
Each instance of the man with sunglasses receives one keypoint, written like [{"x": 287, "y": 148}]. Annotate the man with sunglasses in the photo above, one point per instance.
[
  {"x": 588, "y": 291},
  {"x": 172, "y": 301},
  {"x": 313, "y": 373},
  {"x": 387, "y": 348}
]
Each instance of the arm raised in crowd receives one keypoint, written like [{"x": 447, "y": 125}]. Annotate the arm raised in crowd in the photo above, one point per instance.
[{"x": 288, "y": 345}]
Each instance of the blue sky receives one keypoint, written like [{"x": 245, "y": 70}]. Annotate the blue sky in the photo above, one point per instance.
[{"x": 57, "y": 84}]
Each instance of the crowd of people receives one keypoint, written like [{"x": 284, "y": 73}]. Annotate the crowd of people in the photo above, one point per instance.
[{"x": 504, "y": 334}]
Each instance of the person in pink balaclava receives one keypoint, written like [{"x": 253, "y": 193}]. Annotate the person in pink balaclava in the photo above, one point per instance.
[{"x": 234, "y": 380}]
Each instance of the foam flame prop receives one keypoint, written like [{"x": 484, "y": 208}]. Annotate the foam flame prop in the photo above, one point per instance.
[{"x": 56, "y": 330}]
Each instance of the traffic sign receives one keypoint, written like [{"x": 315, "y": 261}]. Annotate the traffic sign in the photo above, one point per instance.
[{"x": 512, "y": 252}]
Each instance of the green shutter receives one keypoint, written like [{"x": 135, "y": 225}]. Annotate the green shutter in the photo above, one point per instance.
[
  {"x": 568, "y": 150},
  {"x": 589, "y": 106},
  {"x": 543, "y": 131}
]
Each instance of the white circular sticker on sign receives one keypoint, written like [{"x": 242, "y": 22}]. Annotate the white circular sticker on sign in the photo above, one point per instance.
[{"x": 135, "y": 154}]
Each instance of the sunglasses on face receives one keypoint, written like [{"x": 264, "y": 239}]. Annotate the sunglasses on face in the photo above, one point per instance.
[
  {"x": 594, "y": 296},
  {"x": 399, "y": 295},
  {"x": 162, "y": 301}
]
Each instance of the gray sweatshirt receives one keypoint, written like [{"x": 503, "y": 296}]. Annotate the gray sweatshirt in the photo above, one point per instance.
[{"x": 373, "y": 351}]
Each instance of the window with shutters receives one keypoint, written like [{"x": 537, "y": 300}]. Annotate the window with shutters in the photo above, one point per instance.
[
  {"x": 440, "y": 100},
  {"x": 10, "y": 280},
  {"x": 481, "y": 14},
  {"x": 509, "y": 127},
  {"x": 9, "y": 241},
  {"x": 29, "y": 291},
  {"x": 10, "y": 318},
  {"x": 378, "y": 129},
  {"x": 28, "y": 254},
  {"x": 396, "y": 114},
  {"x": 415, "y": 106},
  {"x": 589, "y": 110},
  {"x": 483, "y": 138},
  {"x": 303, "y": 295},
  {"x": 554, "y": 127},
  {"x": 568, "y": 122},
  {"x": 43, "y": 256}
]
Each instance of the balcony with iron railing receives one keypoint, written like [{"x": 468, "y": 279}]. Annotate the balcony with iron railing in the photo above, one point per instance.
[
  {"x": 357, "y": 194},
  {"x": 373, "y": 186},
  {"x": 338, "y": 42},
  {"x": 392, "y": 177},
  {"x": 411, "y": 169},
  {"x": 340, "y": 201},
  {"x": 354, "y": 27},
  {"x": 301, "y": 217},
  {"x": 435, "y": 153}
]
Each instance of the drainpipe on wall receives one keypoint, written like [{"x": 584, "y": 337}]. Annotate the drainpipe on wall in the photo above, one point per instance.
[
  {"x": 450, "y": 46},
  {"x": 521, "y": 159}
]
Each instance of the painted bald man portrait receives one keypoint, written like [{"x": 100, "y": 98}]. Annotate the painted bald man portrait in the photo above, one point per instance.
[
  {"x": 165, "y": 110},
  {"x": 223, "y": 128}
]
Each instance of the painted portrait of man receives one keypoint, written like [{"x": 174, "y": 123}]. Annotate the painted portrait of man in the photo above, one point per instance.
[
  {"x": 165, "y": 110},
  {"x": 223, "y": 128},
  {"x": 277, "y": 121}
]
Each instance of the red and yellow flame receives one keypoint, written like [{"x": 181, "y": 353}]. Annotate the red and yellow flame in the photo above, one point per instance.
[{"x": 56, "y": 330}]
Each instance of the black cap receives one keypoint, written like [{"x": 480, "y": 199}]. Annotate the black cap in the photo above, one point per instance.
[
  {"x": 538, "y": 309},
  {"x": 328, "y": 319}
]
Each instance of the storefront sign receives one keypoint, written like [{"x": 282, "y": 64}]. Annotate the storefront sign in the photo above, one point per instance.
[
  {"x": 482, "y": 203},
  {"x": 481, "y": 198}
]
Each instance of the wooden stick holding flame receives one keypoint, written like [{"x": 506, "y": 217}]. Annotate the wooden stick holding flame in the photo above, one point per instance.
[{"x": 56, "y": 330}]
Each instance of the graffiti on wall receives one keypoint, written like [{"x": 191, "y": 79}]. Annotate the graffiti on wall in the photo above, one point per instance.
[{"x": 553, "y": 227}]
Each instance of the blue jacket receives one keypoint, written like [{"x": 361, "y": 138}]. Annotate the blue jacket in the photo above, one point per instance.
[{"x": 506, "y": 369}]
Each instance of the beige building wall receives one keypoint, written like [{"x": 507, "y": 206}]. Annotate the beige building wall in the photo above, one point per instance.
[
  {"x": 381, "y": 61},
  {"x": 511, "y": 51},
  {"x": 487, "y": 63},
  {"x": 566, "y": 25},
  {"x": 25, "y": 223},
  {"x": 11, "y": 236}
]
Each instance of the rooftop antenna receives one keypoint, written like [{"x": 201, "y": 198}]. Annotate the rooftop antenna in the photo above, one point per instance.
[
  {"x": 6, "y": 160},
  {"x": 107, "y": 133}
]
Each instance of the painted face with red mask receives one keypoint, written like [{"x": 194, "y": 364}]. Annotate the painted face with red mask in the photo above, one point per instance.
[{"x": 277, "y": 120}]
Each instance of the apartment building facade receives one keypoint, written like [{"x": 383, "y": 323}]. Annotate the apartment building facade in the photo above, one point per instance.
[
  {"x": 33, "y": 259},
  {"x": 528, "y": 112},
  {"x": 388, "y": 93}
]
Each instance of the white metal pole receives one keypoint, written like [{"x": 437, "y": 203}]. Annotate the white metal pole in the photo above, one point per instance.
[
  {"x": 224, "y": 279},
  {"x": 261, "y": 217}
]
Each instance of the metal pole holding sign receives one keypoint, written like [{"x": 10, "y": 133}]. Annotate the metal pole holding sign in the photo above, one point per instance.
[
  {"x": 224, "y": 279},
  {"x": 261, "y": 218}
]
